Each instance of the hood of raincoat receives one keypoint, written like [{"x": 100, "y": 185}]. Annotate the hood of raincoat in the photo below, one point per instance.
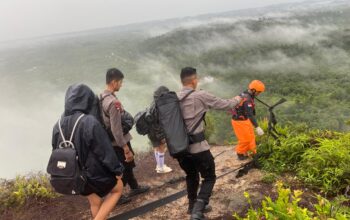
[
  {"x": 79, "y": 98},
  {"x": 159, "y": 91}
]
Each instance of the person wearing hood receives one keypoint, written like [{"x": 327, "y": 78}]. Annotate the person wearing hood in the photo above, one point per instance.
[
  {"x": 101, "y": 167},
  {"x": 156, "y": 133},
  {"x": 112, "y": 110}
]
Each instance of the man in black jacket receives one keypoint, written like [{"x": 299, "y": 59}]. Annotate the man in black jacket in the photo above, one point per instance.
[{"x": 102, "y": 168}]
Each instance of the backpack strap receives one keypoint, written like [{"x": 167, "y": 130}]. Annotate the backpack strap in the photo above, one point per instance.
[
  {"x": 103, "y": 97},
  {"x": 202, "y": 118},
  {"x": 198, "y": 123},
  {"x": 65, "y": 142},
  {"x": 101, "y": 105},
  {"x": 189, "y": 93}
]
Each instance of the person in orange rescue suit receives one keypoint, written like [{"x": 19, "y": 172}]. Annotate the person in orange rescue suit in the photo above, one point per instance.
[{"x": 244, "y": 121}]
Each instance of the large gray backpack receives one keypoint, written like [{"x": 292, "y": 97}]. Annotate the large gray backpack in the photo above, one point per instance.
[{"x": 178, "y": 138}]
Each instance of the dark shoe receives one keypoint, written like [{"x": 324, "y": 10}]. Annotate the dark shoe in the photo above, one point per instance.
[
  {"x": 198, "y": 208},
  {"x": 207, "y": 208},
  {"x": 190, "y": 206},
  {"x": 123, "y": 200},
  {"x": 242, "y": 157},
  {"x": 139, "y": 190}
]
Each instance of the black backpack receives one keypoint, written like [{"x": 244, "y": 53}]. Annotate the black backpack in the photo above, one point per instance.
[
  {"x": 178, "y": 138},
  {"x": 141, "y": 123},
  {"x": 172, "y": 122},
  {"x": 64, "y": 166},
  {"x": 127, "y": 122}
]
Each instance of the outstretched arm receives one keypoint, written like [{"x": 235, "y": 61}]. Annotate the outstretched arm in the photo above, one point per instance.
[{"x": 213, "y": 102}]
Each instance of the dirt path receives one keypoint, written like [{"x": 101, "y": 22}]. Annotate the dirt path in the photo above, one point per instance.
[{"x": 227, "y": 196}]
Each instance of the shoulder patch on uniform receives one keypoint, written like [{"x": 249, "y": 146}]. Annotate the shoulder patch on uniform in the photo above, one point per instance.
[{"x": 118, "y": 105}]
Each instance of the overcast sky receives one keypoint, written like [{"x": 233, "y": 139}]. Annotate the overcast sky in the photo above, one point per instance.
[{"x": 29, "y": 18}]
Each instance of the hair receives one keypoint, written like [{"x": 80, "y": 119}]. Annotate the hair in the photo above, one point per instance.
[
  {"x": 187, "y": 72},
  {"x": 113, "y": 74}
]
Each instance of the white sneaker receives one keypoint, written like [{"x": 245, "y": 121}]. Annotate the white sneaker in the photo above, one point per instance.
[
  {"x": 157, "y": 168},
  {"x": 165, "y": 169}
]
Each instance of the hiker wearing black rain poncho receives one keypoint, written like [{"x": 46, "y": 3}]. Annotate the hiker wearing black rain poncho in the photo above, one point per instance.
[{"x": 101, "y": 167}]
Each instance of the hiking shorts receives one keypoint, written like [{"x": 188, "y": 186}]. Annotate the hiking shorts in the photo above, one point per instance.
[{"x": 101, "y": 188}]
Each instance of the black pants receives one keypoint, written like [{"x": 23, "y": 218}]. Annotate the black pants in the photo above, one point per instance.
[
  {"x": 128, "y": 174},
  {"x": 194, "y": 164}
]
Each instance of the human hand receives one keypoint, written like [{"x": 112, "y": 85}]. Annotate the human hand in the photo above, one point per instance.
[
  {"x": 259, "y": 131},
  {"x": 129, "y": 156},
  {"x": 238, "y": 98},
  {"x": 119, "y": 177}
]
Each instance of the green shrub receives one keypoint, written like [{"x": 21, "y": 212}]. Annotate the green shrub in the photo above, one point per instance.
[
  {"x": 287, "y": 207},
  {"x": 287, "y": 154},
  {"x": 269, "y": 178},
  {"x": 16, "y": 192},
  {"x": 320, "y": 158},
  {"x": 328, "y": 166},
  {"x": 283, "y": 154},
  {"x": 334, "y": 209}
]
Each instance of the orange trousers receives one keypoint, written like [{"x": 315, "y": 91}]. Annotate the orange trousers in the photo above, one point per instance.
[{"x": 244, "y": 131}]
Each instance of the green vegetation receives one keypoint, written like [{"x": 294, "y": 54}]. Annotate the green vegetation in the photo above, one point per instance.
[
  {"x": 327, "y": 166},
  {"x": 319, "y": 158},
  {"x": 269, "y": 178},
  {"x": 218, "y": 128},
  {"x": 287, "y": 207},
  {"x": 15, "y": 193},
  {"x": 304, "y": 61}
]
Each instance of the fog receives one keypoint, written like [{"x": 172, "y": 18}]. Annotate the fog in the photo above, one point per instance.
[
  {"x": 285, "y": 29},
  {"x": 32, "y": 18}
]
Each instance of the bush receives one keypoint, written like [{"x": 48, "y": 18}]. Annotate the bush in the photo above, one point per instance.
[
  {"x": 283, "y": 154},
  {"x": 327, "y": 167},
  {"x": 287, "y": 153},
  {"x": 16, "y": 192},
  {"x": 269, "y": 178},
  {"x": 287, "y": 207},
  {"x": 320, "y": 158}
]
